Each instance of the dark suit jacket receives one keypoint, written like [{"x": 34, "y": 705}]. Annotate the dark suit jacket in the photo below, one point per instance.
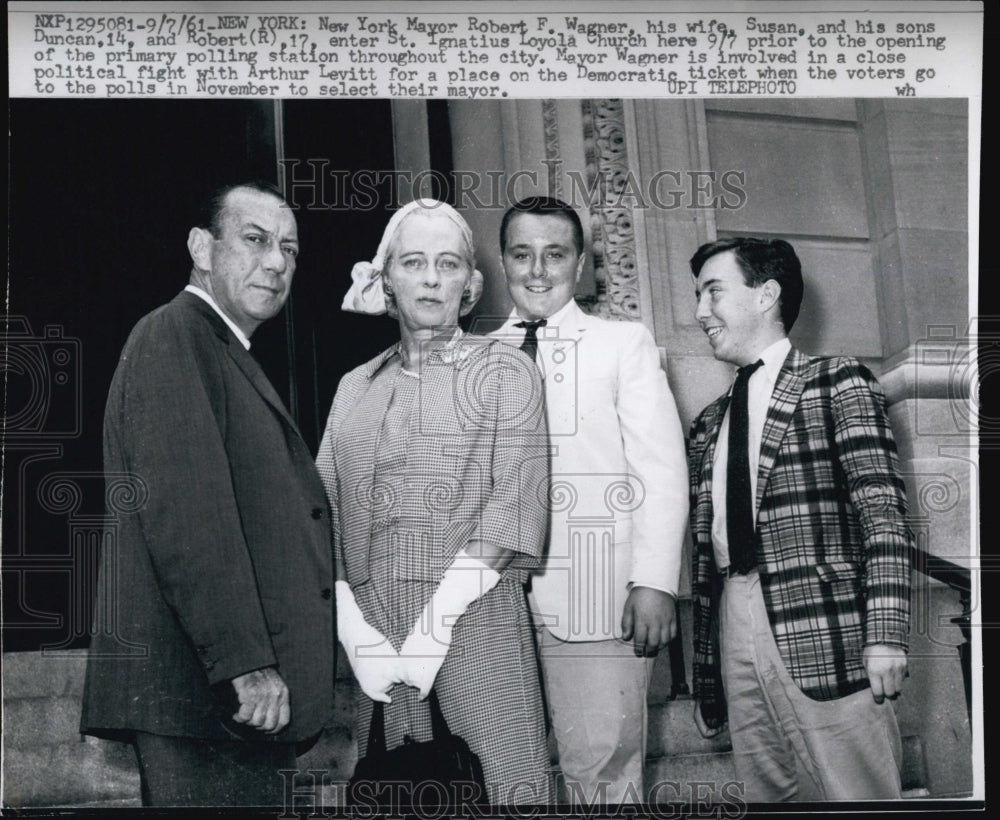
[
  {"x": 832, "y": 538},
  {"x": 217, "y": 559}
]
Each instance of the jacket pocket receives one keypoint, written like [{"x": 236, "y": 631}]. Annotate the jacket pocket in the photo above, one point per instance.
[
  {"x": 426, "y": 549},
  {"x": 837, "y": 571},
  {"x": 419, "y": 547}
]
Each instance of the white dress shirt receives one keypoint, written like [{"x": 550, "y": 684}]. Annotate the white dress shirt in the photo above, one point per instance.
[
  {"x": 759, "y": 391},
  {"x": 549, "y": 331},
  {"x": 232, "y": 325}
]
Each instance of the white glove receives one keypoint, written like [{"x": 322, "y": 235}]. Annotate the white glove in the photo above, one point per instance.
[
  {"x": 425, "y": 648},
  {"x": 375, "y": 663}
]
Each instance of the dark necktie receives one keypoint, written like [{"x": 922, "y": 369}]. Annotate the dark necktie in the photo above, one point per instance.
[
  {"x": 739, "y": 505},
  {"x": 530, "y": 343}
]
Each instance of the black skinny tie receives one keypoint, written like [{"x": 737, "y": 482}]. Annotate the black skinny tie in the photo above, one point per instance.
[
  {"x": 530, "y": 343},
  {"x": 739, "y": 506}
]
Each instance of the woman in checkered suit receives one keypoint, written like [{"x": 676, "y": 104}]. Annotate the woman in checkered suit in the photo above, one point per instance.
[{"x": 435, "y": 462}]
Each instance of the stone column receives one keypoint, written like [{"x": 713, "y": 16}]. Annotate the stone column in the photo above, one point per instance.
[{"x": 915, "y": 161}]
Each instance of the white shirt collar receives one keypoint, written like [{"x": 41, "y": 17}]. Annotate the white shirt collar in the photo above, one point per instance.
[
  {"x": 774, "y": 356},
  {"x": 201, "y": 294},
  {"x": 554, "y": 320}
]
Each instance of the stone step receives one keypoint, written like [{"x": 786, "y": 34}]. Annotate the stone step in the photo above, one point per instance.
[
  {"x": 40, "y": 721},
  {"x": 125, "y": 803},
  {"x": 79, "y": 770},
  {"x": 34, "y": 674},
  {"x": 672, "y": 730},
  {"x": 691, "y": 777}
]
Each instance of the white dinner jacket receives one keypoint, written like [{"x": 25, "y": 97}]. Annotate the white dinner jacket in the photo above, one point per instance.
[{"x": 619, "y": 492}]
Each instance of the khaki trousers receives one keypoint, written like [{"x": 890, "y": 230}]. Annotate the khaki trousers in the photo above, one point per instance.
[
  {"x": 596, "y": 697},
  {"x": 787, "y": 746}
]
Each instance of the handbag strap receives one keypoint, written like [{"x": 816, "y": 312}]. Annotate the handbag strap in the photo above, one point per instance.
[
  {"x": 376, "y": 728},
  {"x": 439, "y": 725}
]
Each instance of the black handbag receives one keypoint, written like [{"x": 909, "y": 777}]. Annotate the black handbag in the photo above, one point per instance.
[{"x": 436, "y": 775}]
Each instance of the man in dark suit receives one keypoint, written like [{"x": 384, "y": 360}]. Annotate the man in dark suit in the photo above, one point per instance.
[
  {"x": 801, "y": 547},
  {"x": 215, "y": 650}
]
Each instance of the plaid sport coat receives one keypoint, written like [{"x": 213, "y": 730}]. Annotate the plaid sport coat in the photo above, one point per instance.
[{"x": 832, "y": 537}]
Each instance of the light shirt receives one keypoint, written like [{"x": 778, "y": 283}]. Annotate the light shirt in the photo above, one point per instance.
[
  {"x": 232, "y": 325},
  {"x": 759, "y": 390},
  {"x": 549, "y": 331}
]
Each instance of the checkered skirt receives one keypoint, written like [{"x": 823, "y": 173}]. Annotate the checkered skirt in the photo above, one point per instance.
[
  {"x": 401, "y": 435},
  {"x": 488, "y": 687}
]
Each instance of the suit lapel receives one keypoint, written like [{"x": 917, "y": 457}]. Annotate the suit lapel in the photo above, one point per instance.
[
  {"x": 712, "y": 426},
  {"x": 781, "y": 408},
  {"x": 572, "y": 331},
  {"x": 252, "y": 370},
  {"x": 241, "y": 356},
  {"x": 705, "y": 509}
]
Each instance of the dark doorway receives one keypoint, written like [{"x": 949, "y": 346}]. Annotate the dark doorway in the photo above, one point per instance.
[
  {"x": 334, "y": 155},
  {"x": 101, "y": 198}
]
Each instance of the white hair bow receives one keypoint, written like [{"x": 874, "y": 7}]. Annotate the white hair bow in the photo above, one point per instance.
[{"x": 366, "y": 292}]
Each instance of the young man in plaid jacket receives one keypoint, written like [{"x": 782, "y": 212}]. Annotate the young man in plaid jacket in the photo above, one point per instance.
[{"x": 801, "y": 565}]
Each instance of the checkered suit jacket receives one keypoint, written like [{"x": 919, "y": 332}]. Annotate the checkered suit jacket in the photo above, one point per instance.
[
  {"x": 477, "y": 465},
  {"x": 832, "y": 538}
]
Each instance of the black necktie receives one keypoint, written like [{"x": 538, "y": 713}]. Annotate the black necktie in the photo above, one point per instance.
[
  {"x": 739, "y": 505},
  {"x": 530, "y": 343}
]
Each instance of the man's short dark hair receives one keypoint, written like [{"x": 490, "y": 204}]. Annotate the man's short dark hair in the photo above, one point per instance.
[
  {"x": 543, "y": 206},
  {"x": 760, "y": 260},
  {"x": 210, "y": 213}
]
